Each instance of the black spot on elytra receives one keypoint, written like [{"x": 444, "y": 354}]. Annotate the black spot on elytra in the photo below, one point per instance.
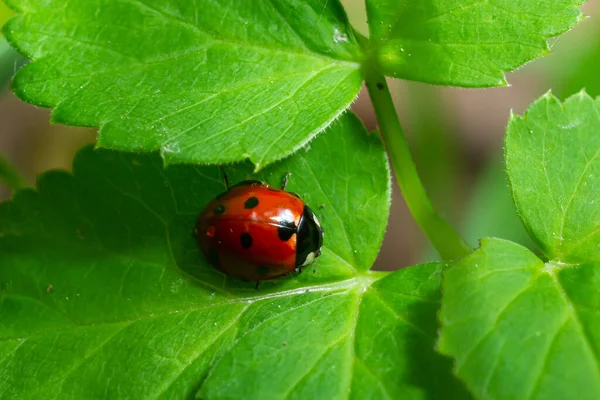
[
  {"x": 251, "y": 203},
  {"x": 286, "y": 230},
  {"x": 380, "y": 86},
  {"x": 213, "y": 257},
  {"x": 245, "y": 240},
  {"x": 262, "y": 270},
  {"x": 220, "y": 209}
]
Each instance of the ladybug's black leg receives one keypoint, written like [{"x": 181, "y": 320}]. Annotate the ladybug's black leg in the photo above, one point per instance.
[
  {"x": 225, "y": 178},
  {"x": 322, "y": 214},
  {"x": 316, "y": 262},
  {"x": 285, "y": 180}
]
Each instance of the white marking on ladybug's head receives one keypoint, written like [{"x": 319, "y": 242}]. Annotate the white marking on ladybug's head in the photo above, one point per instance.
[
  {"x": 309, "y": 258},
  {"x": 317, "y": 220}
]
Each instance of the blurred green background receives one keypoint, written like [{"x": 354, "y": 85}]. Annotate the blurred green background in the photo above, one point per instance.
[{"x": 456, "y": 136}]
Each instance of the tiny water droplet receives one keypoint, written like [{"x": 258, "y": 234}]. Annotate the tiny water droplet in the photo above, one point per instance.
[{"x": 339, "y": 36}]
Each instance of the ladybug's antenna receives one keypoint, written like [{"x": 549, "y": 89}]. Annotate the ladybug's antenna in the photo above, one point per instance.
[
  {"x": 322, "y": 214},
  {"x": 285, "y": 180},
  {"x": 225, "y": 178}
]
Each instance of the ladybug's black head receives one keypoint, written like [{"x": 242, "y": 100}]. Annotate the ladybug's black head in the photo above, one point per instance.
[{"x": 309, "y": 239}]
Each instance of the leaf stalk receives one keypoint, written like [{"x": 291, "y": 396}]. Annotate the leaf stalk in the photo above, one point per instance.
[{"x": 442, "y": 235}]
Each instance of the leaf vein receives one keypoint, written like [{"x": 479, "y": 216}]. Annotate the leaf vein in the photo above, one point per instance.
[
  {"x": 578, "y": 324},
  {"x": 333, "y": 288},
  {"x": 535, "y": 387},
  {"x": 400, "y": 317},
  {"x": 494, "y": 325},
  {"x": 578, "y": 186},
  {"x": 200, "y": 351}
]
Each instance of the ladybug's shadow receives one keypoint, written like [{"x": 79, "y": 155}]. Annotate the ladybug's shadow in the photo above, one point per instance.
[
  {"x": 200, "y": 273},
  {"x": 192, "y": 264}
]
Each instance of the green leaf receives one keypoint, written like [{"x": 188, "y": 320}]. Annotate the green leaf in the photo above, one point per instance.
[
  {"x": 371, "y": 342},
  {"x": 470, "y": 43},
  {"x": 256, "y": 81},
  {"x": 522, "y": 329},
  {"x": 553, "y": 163},
  {"x": 103, "y": 293}
]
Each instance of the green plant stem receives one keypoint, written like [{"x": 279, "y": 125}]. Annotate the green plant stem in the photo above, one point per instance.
[
  {"x": 443, "y": 237},
  {"x": 10, "y": 177}
]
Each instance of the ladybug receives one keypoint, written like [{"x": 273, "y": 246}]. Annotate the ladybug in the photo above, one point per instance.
[{"x": 256, "y": 232}]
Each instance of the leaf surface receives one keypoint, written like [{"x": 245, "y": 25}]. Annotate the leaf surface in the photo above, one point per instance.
[
  {"x": 553, "y": 163},
  {"x": 519, "y": 326},
  {"x": 522, "y": 329},
  {"x": 104, "y": 294},
  {"x": 203, "y": 81},
  {"x": 464, "y": 43}
]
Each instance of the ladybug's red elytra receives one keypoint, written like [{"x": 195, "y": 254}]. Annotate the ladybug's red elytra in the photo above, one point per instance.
[{"x": 256, "y": 232}]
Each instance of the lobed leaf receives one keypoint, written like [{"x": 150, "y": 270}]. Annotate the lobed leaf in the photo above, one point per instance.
[
  {"x": 516, "y": 325},
  {"x": 373, "y": 342},
  {"x": 553, "y": 163},
  {"x": 104, "y": 294},
  {"x": 233, "y": 83},
  {"x": 464, "y": 43},
  {"x": 519, "y": 328}
]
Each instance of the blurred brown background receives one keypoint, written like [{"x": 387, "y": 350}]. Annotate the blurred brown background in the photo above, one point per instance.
[{"x": 456, "y": 136}]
